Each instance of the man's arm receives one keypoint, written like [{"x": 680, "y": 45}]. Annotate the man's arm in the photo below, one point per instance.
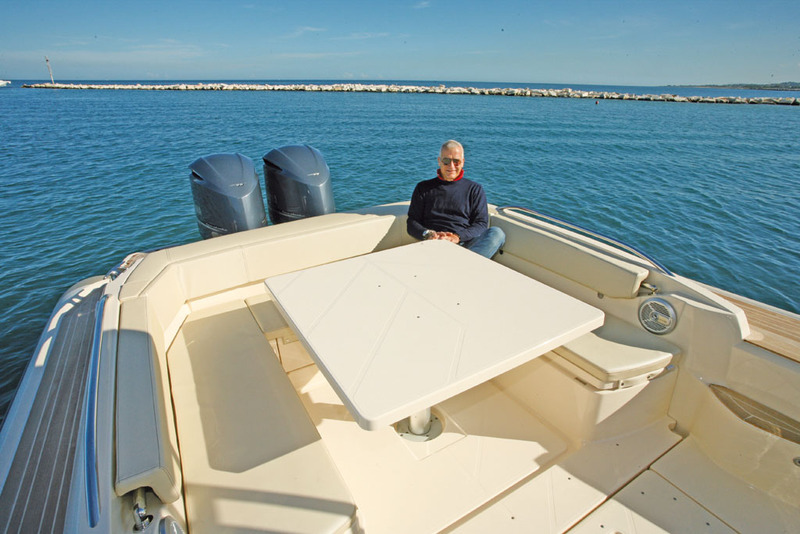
[
  {"x": 414, "y": 225},
  {"x": 479, "y": 215}
]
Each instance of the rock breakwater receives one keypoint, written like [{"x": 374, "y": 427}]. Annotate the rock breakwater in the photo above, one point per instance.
[{"x": 438, "y": 89}]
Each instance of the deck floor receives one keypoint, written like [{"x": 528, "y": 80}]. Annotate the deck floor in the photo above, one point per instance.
[
  {"x": 481, "y": 473},
  {"x": 477, "y": 457},
  {"x": 36, "y": 493},
  {"x": 643, "y": 482}
]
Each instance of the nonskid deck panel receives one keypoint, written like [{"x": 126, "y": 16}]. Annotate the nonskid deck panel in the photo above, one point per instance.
[{"x": 36, "y": 492}]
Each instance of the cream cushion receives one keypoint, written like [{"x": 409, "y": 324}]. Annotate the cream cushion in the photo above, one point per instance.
[
  {"x": 146, "y": 443},
  {"x": 617, "y": 352},
  {"x": 601, "y": 272},
  {"x": 252, "y": 458}
]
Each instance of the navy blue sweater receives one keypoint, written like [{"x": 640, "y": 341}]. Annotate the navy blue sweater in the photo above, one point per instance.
[{"x": 459, "y": 207}]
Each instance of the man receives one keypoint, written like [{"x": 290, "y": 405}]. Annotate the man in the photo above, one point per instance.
[{"x": 453, "y": 208}]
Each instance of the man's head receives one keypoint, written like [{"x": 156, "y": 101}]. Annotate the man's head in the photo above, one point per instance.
[{"x": 451, "y": 160}]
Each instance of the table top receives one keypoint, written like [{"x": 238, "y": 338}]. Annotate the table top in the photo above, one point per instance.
[{"x": 397, "y": 331}]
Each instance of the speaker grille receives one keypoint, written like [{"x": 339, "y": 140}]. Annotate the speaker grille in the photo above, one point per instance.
[{"x": 657, "y": 316}]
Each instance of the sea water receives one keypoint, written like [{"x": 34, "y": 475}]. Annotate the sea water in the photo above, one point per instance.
[{"x": 710, "y": 190}]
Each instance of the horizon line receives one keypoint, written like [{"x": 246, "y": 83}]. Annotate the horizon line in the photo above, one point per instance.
[{"x": 391, "y": 80}]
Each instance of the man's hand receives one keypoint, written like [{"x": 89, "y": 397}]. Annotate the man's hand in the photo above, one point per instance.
[{"x": 447, "y": 236}]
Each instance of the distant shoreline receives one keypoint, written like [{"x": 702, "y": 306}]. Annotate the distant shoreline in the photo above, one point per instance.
[
  {"x": 783, "y": 86},
  {"x": 437, "y": 89}
]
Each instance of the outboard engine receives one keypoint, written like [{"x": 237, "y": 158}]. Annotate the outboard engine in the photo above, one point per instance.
[
  {"x": 227, "y": 195},
  {"x": 298, "y": 183}
]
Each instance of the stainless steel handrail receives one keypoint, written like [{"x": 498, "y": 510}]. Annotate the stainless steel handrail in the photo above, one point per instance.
[
  {"x": 123, "y": 266},
  {"x": 590, "y": 233},
  {"x": 90, "y": 444}
]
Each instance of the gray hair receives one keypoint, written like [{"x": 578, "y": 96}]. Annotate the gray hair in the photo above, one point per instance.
[{"x": 450, "y": 145}]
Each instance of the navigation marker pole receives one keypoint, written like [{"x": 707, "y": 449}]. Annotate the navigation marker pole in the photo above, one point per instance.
[{"x": 49, "y": 70}]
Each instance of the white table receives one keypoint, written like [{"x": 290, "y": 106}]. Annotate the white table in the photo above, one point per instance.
[{"x": 398, "y": 331}]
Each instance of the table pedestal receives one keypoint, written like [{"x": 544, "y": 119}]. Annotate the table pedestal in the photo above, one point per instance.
[{"x": 419, "y": 423}]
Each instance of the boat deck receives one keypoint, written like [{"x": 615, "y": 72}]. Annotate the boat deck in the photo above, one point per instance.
[
  {"x": 511, "y": 471},
  {"x": 770, "y": 330},
  {"x": 483, "y": 473},
  {"x": 644, "y": 481},
  {"x": 36, "y": 492}
]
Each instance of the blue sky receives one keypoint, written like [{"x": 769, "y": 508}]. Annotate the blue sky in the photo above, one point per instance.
[{"x": 568, "y": 41}]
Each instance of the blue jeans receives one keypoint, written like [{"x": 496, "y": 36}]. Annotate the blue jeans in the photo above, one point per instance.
[{"x": 488, "y": 243}]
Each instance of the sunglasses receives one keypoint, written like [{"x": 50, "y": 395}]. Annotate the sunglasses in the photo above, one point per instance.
[{"x": 448, "y": 161}]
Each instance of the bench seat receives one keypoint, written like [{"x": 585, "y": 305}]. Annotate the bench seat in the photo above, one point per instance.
[
  {"x": 616, "y": 355},
  {"x": 549, "y": 254},
  {"x": 160, "y": 291},
  {"x": 146, "y": 443},
  {"x": 252, "y": 459}
]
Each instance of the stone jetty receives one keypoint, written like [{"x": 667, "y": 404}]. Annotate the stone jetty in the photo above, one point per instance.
[{"x": 438, "y": 89}]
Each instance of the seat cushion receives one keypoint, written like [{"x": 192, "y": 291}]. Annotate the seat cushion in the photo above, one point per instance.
[
  {"x": 252, "y": 458},
  {"x": 146, "y": 443},
  {"x": 618, "y": 351}
]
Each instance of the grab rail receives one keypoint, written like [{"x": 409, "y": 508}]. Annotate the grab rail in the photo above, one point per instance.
[
  {"x": 90, "y": 458},
  {"x": 123, "y": 266},
  {"x": 589, "y": 233}
]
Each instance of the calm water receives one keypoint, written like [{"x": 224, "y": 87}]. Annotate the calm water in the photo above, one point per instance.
[{"x": 712, "y": 191}]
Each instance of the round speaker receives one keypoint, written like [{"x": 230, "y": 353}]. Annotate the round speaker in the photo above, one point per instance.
[{"x": 657, "y": 316}]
